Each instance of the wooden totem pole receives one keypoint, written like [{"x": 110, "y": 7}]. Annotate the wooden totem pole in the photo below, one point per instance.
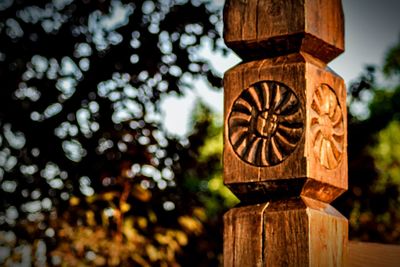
[{"x": 285, "y": 134}]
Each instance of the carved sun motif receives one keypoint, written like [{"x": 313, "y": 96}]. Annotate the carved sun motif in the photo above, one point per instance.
[
  {"x": 265, "y": 123},
  {"x": 327, "y": 127}
]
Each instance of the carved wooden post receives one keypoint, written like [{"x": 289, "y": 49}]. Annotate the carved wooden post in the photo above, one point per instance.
[{"x": 285, "y": 134}]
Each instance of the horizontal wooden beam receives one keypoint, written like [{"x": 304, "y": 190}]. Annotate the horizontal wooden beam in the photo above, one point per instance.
[{"x": 363, "y": 254}]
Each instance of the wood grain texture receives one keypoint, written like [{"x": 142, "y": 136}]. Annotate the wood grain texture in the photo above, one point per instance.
[
  {"x": 268, "y": 28},
  {"x": 315, "y": 158},
  {"x": 295, "y": 232},
  {"x": 317, "y": 77},
  {"x": 286, "y": 241},
  {"x": 285, "y": 148},
  {"x": 363, "y": 254},
  {"x": 243, "y": 229},
  {"x": 328, "y": 235}
]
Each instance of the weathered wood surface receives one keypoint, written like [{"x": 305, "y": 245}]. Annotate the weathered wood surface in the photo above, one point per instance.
[
  {"x": 285, "y": 150},
  {"x": 362, "y": 254},
  {"x": 285, "y": 233},
  {"x": 265, "y": 28},
  {"x": 289, "y": 232},
  {"x": 305, "y": 154}
]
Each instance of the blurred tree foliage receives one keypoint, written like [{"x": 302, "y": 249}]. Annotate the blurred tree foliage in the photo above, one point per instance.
[
  {"x": 88, "y": 175},
  {"x": 373, "y": 199}
]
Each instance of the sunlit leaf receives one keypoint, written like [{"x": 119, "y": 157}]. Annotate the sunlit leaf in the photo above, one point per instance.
[
  {"x": 74, "y": 201},
  {"x": 152, "y": 253},
  {"x": 190, "y": 224},
  {"x": 182, "y": 238},
  {"x": 141, "y": 194},
  {"x": 125, "y": 207},
  {"x": 142, "y": 222},
  {"x": 90, "y": 218}
]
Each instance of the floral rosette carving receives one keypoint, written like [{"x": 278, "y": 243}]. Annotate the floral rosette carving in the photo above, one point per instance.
[
  {"x": 327, "y": 127},
  {"x": 266, "y": 123}
]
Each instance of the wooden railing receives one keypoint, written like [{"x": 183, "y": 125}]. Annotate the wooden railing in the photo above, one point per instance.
[{"x": 285, "y": 138}]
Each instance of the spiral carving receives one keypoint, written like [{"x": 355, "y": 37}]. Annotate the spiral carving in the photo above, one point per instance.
[
  {"x": 327, "y": 127},
  {"x": 265, "y": 123}
]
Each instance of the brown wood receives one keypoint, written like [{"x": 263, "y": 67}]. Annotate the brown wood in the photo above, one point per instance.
[
  {"x": 310, "y": 83},
  {"x": 285, "y": 149},
  {"x": 373, "y": 255},
  {"x": 284, "y": 233},
  {"x": 265, "y": 28},
  {"x": 243, "y": 229}
]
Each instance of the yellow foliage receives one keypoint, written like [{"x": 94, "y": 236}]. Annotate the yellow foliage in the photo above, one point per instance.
[
  {"x": 200, "y": 213},
  {"x": 99, "y": 261},
  {"x": 138, "y": 259},
  {"x": 91, "y": 199},
  {"x": 74, "y": 201},
  {"x": 152, "y": 252},
  {"x": 141, "y": 194},
  {"x": 90, "y": 218},
  {"x": 128, "y": 229},
  {"x": 181, "y": 237},
  {"x": 190, "y": 225},
  {"x": 108, "y": 196},
  {"x": 104, "y": 219},
  {"x": 142, "y": 222},
  {"x": 162, "y": 239},
  {"x": 152, "y": 216},
  {"x": 125, "y": 207}
]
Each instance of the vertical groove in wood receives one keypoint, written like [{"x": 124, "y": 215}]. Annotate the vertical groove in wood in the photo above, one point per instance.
[{"x": 263, "y": 233}]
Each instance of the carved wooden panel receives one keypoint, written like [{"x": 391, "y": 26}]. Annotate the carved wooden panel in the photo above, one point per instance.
[
  {"x": 266, "y": 123},
  {"x": 327, "y": 126},
  {"x": 256, "y": 160}
]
